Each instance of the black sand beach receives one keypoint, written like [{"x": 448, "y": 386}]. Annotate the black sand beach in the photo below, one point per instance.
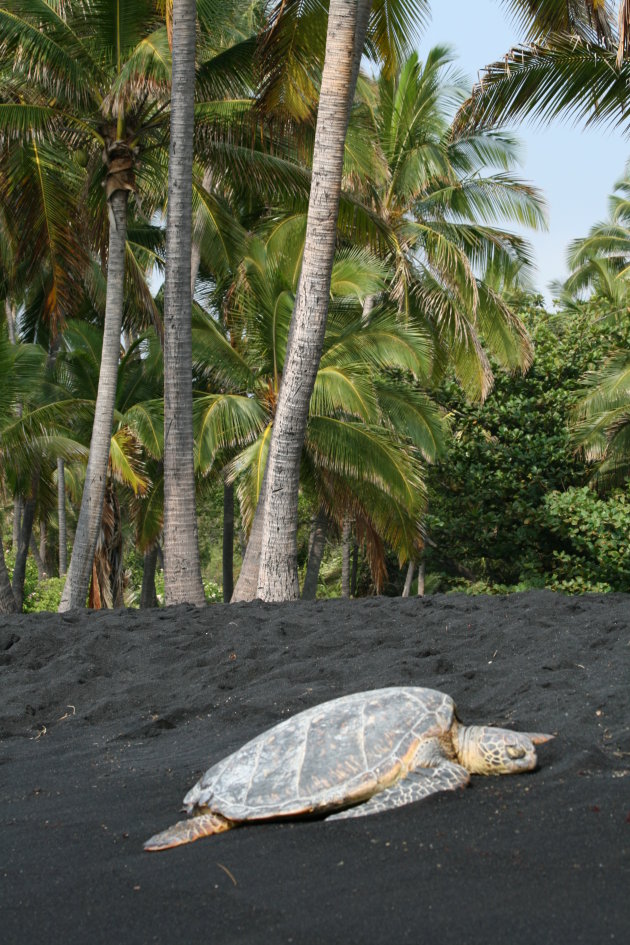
[{"x": 106, "y": 720}]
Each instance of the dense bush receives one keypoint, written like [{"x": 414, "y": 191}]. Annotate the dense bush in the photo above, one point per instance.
[{"x": 496, "y": 519}]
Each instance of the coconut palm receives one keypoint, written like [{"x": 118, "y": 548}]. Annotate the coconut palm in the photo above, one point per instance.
[
  {"x": 182, "y": 573},
  {"x": 136, "y": 443},
  {"x": 347, "y": 28},
  {"x": 445, "y": 198},
  {"x": 368, "y": 432}
]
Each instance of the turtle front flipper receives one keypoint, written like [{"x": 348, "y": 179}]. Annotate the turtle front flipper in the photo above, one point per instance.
[
  {"x": 415, "y": 786},
  {"x": 185, "y": 831}
]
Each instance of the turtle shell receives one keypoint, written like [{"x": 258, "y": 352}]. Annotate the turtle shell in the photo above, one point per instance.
[{"x": 323, "y": 758}]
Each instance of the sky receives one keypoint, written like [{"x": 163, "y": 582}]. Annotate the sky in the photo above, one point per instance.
[{"x": 576, "y": 169}]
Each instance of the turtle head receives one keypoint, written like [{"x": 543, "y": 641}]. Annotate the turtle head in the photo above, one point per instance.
[{"x": 483, "y": 749}]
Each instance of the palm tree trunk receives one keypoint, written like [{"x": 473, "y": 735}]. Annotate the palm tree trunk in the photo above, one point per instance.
[
  {"x": 42, "y": 573},
  {"x": 28, "y": 517},
  {"x": 182, "y": 573},
  {"x": 346, "y": 535},
  {"x": 278, "y": 578},
  {"x": 317, "y": 544},
  {"x": 43, "y": 544},
  {"x": 17, "y": 501},
  {"x": 355, "y": 566},
  {"x": 61, "y": 517},
  {"x": 148, "y": 596},
  {"x": 18, "y": 508},
  {"x": 228, "y": 542},
  {"x": 247, "y": 583},
  {"x": 409, "y": 578},
  {"x": 7, "y": 600},
  {"x": 88, "y": 526},
  {"x": 421, "y": 579}
]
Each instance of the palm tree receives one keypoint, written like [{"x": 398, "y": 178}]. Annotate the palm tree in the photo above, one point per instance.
[
  {"x": 367, "y": 429},
  {"x": 278, "y": 567},
  {"x": 182, "y": 574},
  {"x": 444, "y": 204},
  {"x": 134, "y": 443}
]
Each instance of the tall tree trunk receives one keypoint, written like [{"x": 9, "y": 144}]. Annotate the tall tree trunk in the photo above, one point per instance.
[
  {"x": 228, "y": 542},
  {"x": 88, "y": 526},
  {"x": 355, "y": 566},
  {"x": 36, "y": 551},
  {"x": 61, "y": 517},
  {"x": 278, "y": 578},
  {"x": 409, "y": 578},
  {"x": 182, "y": 573},
  {"x": 7, "y": 599},
  {"x": 18, "y": 508},
  {"x": 107, "y": 584},
  {"x": 317, "y": 545},
  {"x": 247, "y": 584},
  {"x": 28, "y": 517},
  {"x": 148, "y": 596},
  {"x": 346, "y": 535},
  {"x": 421, "y": 578},
  {"x": 43, "y": 544},
  {"x": 10, "y": 314},
  {"x": 17, "y": 501}
]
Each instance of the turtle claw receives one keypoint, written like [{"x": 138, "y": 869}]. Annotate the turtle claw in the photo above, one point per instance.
[{"x": 186, "y": 831}]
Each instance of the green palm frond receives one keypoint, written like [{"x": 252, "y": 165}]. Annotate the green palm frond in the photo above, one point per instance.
[
  {"x": 381, "y": 344},
  {"x": 414, "y": 416},
  {"x": 47, "y": 50},
  {"x": 125, "y": 461},
  {"x": 565, "y": 78},
  {"x": 148, "y": 514},
  {"x": 602, "y": 419},
  {"x": 223, "y": 422},
  {"x": 221, "y": 237},
  {"x": 215, "y": 358},
  {"x": 585, "y": 18},
  {"x": 146, "y": 420},
  {"x": 248, "y": 468},
  {"x": 365, "y": 453},
  {"x": 146, "y": 70},
  {"x": 229, "y": 74},
  {"x": 357, "y": 273},
  {"x": 37, "y": 187},
  {"x": 344, "y": 390},
  {"x": 503, "y": 332}
]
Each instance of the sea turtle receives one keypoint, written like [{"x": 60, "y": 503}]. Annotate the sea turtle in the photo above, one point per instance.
[{"x": 356, "y": 755}]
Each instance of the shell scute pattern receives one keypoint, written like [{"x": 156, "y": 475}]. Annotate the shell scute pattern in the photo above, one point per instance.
[{"x": 323, "y": 756}]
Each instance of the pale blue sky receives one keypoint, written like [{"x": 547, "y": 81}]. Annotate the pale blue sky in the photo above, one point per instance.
[{"x": 576, "y": 169}]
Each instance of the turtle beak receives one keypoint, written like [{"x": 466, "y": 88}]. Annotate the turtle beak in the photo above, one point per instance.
[{"x": 537, "y": 738}]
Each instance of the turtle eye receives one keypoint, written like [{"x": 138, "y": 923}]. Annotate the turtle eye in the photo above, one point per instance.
[{"x": 514, "y": 751}]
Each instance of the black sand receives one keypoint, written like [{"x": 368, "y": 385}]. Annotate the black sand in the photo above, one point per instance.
[{"x": 107, "y": 719}]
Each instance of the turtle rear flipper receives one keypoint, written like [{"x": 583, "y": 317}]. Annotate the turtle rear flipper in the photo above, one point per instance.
[
  {"x": 416, "y": 785},
  {"x": 185, "y": 831}
]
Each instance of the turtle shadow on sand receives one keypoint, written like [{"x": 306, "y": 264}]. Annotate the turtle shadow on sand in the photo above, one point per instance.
[{"x": 350, "y": 757}]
